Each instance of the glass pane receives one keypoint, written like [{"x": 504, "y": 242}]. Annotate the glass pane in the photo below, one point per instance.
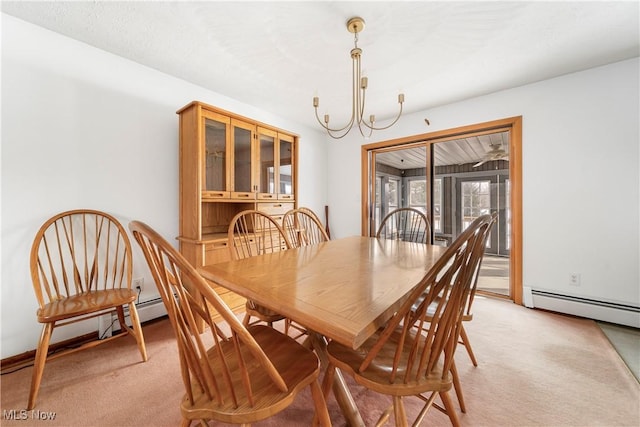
[
  {"x": 437, "y": 205},
  {"x": 418, "y": 194},
  {"x": 476, "y": 200},
  {"x": 391, "y": 190},
  {"x": 286, "y": 179},
  {"x": 267, "y": 177},
  {"x": 242, "y": 159},
  {"x": 215, "y": 155}
]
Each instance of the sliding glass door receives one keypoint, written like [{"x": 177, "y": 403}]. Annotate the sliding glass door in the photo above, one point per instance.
[{"x": 453, "y": 180}]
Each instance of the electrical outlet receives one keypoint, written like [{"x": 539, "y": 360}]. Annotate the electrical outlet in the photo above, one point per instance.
[
  {"x": 574, "y": 279},
  {"x": 138, "y": 284}
]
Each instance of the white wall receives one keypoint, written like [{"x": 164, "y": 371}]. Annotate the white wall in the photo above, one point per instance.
[
  {"x": 82, "y": 128},
  {"x": 581, "y": 182}
]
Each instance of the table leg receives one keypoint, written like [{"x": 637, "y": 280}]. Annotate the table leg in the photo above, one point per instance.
[{"x": 340, "y": 390}]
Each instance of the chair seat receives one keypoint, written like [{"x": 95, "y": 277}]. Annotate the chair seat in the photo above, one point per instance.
[
  {"x": 297, "y": 365},
  {"x": 85, "y": 303},
  {"x": 376, "y": 376}
]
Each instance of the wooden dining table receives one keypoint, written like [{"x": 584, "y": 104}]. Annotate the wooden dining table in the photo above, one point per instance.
[{"x": 341, "y": 290}]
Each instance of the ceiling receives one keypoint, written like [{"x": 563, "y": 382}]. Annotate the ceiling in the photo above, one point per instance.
[
  {"x": 453, "y": 152},
  {"x": 281, "y": 54}
]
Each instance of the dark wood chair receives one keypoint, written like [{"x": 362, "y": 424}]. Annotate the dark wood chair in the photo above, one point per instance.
[
  {"x": 411, "y": 356},
  {"x": 81, "y": 268},
  {"x": 253, "y": 233},
  {"x": 303, "y": 227},
  {"x": 407, "y": 224},
  {"x": 246, "y": 377}
]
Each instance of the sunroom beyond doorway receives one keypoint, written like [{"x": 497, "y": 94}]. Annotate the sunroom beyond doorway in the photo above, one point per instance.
[{"x": 452, "y": 179}]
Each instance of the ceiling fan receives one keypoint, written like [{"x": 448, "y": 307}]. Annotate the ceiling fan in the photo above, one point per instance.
[{"x": 495, "y": 153}]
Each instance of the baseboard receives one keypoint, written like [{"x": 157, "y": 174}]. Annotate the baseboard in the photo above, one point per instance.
[
  {"x": 621, "y": 314},
  {"x": 24, "y": 360}
]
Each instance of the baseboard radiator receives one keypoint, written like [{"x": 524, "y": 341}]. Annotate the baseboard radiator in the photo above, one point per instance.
[
  {"x": 621, "y": 314},
  {"x": 147, "y": 310}
]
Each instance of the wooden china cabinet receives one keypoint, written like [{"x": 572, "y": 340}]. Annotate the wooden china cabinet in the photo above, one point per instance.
[{"x": 229, "y": 163}]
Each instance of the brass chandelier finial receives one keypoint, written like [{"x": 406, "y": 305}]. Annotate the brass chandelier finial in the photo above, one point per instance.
[{"x": 359, "y": 85}]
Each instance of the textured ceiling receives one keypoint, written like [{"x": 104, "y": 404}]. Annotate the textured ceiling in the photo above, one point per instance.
[{"x": 278, "y": 55}]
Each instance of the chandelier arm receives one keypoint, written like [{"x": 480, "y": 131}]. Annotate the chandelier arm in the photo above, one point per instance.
[
  {"x": 362, "y": 132},
  {"x": 389, "y": 125},
  {"x": 338, "y": 136},
  {"x": 357, "y": 90},
  {"x": 361, "y": 121},
  {"x": 359, "y": 95},
  {"x": 328, "y": 129}
]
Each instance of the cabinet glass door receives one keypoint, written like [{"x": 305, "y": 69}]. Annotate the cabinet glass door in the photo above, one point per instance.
[
  {"x": 285, "y": 170},
  {"x": 215, "y": 155},
  {"x": 266, "y": 157},
  {"x": 242, "y": 133}
]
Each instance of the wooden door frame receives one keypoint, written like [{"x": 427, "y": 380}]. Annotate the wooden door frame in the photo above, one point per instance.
[{"x": 511, "y": 124}]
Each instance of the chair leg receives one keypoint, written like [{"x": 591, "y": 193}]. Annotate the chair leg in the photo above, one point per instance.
[
  {"x": 38, "y": 364},
  {"x": 137, "y": 329},
  {"x": 467, "y": 345},
  {"x": 320, "y": 404},
  {"x": 457, "y": 386},
  {"x": 399, "y": 413},
  {"x": 327, "y": 382},
  {"x": 448, "y": 405},
  {"x": 385, "y": 415},
  {"x": 247, "y": 318}
]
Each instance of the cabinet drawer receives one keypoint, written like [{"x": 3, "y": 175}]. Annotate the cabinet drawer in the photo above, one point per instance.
[
  {"x": 216, "y": 195},
  {"x": 285, "y": 197},
  {"x": 275, "y": 208},
  {"x": 216, "y": 252},
  {"x": 267, "y": 196},
  {"x": 237, "y": 195}
]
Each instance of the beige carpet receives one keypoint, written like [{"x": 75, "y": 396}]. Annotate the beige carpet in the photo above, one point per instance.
[{"x": 535, "y": 369}]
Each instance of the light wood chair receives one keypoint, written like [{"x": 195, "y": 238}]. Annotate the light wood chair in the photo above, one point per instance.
[
  {"x": 248, "y": 376},
  {"x": 410, "y": 356},
  {"x": 253, "y": 233},
  {"x": 303, "y": 227},
  {"x": 407, "y": 224},
  {"x": 81, "y": 268},
  {"x": 467, "y": 316},
  {"x": 484, "y": 233}
]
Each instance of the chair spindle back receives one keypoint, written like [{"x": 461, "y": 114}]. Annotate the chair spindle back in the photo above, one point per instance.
[
  {"x": 407, "y": 224},
  {"x": 253, "y": 233},
  {"x": 303, "y": 227},
  {"x": 449, "y": 283},
  {"x": 189, "y": 298},
  {"x": 79, "y": 251}
]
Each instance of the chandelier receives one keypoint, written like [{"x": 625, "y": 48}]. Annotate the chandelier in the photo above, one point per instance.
[{"x": 359, "y": 87}]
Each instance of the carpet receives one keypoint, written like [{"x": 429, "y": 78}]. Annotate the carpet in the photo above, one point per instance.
[{"x": 535, "y": 369}]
